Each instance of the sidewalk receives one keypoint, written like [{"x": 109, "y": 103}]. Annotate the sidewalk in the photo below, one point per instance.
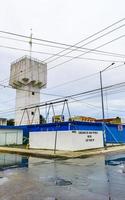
[{"x": 61, "y": 154}]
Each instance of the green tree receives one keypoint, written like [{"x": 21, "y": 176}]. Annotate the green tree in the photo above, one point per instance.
[{"x": 10, "y": 122}]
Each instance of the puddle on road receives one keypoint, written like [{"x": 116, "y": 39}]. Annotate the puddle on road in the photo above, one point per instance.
[
  {"x": 116, "y": 161},
  {"x": 11, "y": 161},
  {"x": 58, "y": 181},
  {"x": 91, "y": 178}
]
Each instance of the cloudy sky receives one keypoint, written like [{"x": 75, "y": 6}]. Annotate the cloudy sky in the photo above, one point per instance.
[{"x": 67, "y": 22}]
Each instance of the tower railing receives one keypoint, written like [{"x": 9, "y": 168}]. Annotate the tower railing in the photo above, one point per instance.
[{"x": 26, "y": 56}]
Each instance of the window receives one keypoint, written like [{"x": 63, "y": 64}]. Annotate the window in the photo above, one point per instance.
[
  {"x": 33, "y": 93},
  {"x": 32, "y": 113}
]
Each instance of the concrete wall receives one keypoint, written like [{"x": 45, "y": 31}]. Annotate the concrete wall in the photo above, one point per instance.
[
  {"x": 11, "y": 136},
  {"x": 66, "y": 140}
]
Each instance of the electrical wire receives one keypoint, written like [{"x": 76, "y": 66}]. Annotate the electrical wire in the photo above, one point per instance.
[
  {"x": 93, "y": 59},
  {"x": 77, "y": 48},
  {"x": 53, "y": 42},
  {"x": 83, "y": 77},
  {"x": 86, "y": 92},
  {"x": 72, "y": 98},
  {"x": 82, "y": 40},
  {"x": 88, "y": 43},
  {"x": 86, "y": 52},
  {"x": 108, "y": 42},
  {"x": 89, "y": 37},
  {"x": 5, "y": 86}
]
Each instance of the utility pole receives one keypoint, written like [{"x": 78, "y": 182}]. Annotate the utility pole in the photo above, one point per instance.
[
  {"x": 30, "y": 43},
  {"x": 102, "y": 99},
  {"x": 102, "y": 102}
]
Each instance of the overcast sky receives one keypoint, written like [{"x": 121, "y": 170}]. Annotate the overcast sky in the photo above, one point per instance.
[{"x": 66, "y": 21}]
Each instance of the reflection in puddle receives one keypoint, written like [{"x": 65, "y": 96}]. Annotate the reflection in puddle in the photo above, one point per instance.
[
  {"x": 10, "y": 161},
  {"x": 115, "y": 162}
]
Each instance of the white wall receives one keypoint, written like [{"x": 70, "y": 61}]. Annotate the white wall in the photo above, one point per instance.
[
  {"x": 66, "y": 140},
  {"x": 11, "y": 136}
]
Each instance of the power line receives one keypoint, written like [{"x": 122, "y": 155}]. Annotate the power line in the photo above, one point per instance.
[
  {"x": 79, "y": 42},
  {"x": 12, "y": 111},
  {"x": 87, "y": 43},
  {"x": 14, "y": 48},
  {"x": 85, "y": 53},
  {"x": 46, "y": 53},
  {"x": 59, "y": 95},
  {"x": 86, "y": 92},
  {"x": 53, "y": 42},
  {"x": 6, "y": 86},
  {"x": 4, "y": 102},
  {"x": 78, "y": 94},
  {"x": 90, "y": 50},
  {"x": 83, "y": 77},
  {"x": 89, "y": 37},
  {"x": 77, "y": 48},
  {"x": 80, "y": 49}
]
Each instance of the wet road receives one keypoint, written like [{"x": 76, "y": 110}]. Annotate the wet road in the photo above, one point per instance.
[{"x": 95, "y": 178}]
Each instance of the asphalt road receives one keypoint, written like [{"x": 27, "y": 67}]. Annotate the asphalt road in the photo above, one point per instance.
[{"x": 99, "y": 177}]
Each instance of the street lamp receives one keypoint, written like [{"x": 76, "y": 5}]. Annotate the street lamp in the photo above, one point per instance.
[{"x": 102, "y": 100}]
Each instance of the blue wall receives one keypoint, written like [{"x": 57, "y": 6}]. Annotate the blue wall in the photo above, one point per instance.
[{"x": 114, "y": 133}]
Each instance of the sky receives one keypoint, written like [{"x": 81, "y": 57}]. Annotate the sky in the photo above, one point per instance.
[{"x": 69, "y": 22}]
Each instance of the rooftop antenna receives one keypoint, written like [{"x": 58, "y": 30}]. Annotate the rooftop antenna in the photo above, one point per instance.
[{"x": 30, "y": 42}]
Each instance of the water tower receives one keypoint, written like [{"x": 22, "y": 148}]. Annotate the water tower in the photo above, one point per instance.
[{"x": 28, "y": 76}]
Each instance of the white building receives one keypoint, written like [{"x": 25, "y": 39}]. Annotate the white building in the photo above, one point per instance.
[
  {"x": 27, "y": 76},
  {"x": 3, "y": 121}
]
